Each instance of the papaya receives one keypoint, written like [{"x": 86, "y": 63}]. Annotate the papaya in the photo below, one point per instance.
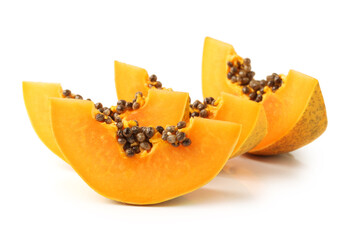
[
  {"x": 130, "y": 79},
  {"x": 249, "y": 114},
  {"x": 227, "y": 107},
  {"x": 161, "y": 108},
  {"x": 293, "y": 104},
  {"x": 36, "y": 98},
  {"x": 158, "y": 108},
  {"x": 164, "y": 172}
]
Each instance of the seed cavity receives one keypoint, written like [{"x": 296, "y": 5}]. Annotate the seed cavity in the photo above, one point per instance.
[
  {"x": 134, "y": 138},
  {"x": 240, "y": 73},
  {"x": 174, "y": 136},
  {"x": 202, "y": 109}
]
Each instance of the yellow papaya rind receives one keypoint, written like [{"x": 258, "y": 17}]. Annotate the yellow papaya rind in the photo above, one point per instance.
[
  {"x": 311, "y": 124},
  {"x": 249, "y": 114},
  {"x": 217, "y": 53},
  {"x": 258, "y": 132},
  {"x": 102, "y": 167}
]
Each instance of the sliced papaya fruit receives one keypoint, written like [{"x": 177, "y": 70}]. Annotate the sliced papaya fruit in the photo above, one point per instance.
[
  {"x": 159, "y": 108},
  {"x": 249, "y": 114},
  {"x": 154, "y": 176},
  {"x": 227, "y": 108},
  {"x": 294, "y": 105},
  {"x": 130, "y": 79},
  {"x": 36, "y": 97},
  {"x": 131, "y": 75}
]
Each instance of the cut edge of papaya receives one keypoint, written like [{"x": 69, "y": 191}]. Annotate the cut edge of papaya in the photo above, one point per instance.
[
  {"x": 309, "y": 126},
  {"x": 279, "y": 105},
  {"x": 129, "y": 75},
  {"x": 36, "y": 96},
  {"x": 167, "y": 172},
  {"x": 249, "y": 114},
  {"x": 172, "y": 107}
]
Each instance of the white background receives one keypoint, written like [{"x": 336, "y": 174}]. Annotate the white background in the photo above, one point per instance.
[{"x": 312, "y": 193}]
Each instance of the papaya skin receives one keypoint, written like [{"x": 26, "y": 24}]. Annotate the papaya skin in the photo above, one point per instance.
[
  {"x": 259, "y": 131},
  {"x": 296, "y": 112},
  {"x": 310, "y": 126},
  {"x": 250, "y": 115},
  {"x": 164, "y": 173}
]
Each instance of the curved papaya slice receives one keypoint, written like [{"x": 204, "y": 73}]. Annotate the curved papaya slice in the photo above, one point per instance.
[
  {"x": 36, "y": 98},
  {"x": 249, "y": 114},
  {"x": 295, "y": 109},
  {"x": 159, "y": 175},
  {"x": 130, "y": 79},
  {"x": 295, "y": 122},
  {"x": 230, "y": 108},
  {"x": 160, "y": 108},
  {"x": 127, "y": 80}
]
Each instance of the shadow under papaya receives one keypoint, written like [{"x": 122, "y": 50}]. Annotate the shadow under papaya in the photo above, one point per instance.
[
  {"x": 203, "y": 196},
  {"x": 253, "y": 169}
]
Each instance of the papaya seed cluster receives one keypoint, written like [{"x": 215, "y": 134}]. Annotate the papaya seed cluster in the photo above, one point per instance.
[
  {"x": 202, "y": 109},
  {"x": 129, "y": 134},
  {"x": 134, "y": 138},
  {"x": 152, "y": 82},
  {"x": 240, "y": 73},
  {"x": 172, "y": 135},
  {"x": 68, "y": 94}
]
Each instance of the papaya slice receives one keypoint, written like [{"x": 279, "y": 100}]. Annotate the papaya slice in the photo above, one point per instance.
[
  {"x": 159, "y": 108},
  {"x": 294, "y": 105},
  {"x": 36, "y": 98},
  {"x": 130, "y": 79},
  {"x": 163, "y": 173},
  {"x": 249, "y": 114},
  {"x": 229, "y": 108}
]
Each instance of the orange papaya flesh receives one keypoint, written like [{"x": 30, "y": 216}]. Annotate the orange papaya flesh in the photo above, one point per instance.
[
  {"x": 231, "y": 108},
  {"x": 36, "y": 98},
  {"x": 161, "y": 108},
  {"x": 250, "y": 115},
  {"x": 156, "y": 176},
  {"x": 295, "y": 110},
  {"x": 152, "y": 109},
  {"x": 130, "y": 79}
]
